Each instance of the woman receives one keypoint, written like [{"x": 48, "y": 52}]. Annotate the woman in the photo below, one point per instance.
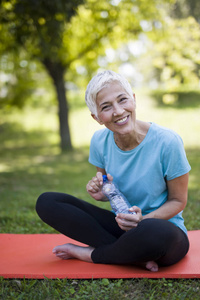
[{"x": 149, "y": 165}]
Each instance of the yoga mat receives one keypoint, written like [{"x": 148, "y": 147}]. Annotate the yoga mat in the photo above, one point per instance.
[{"x": 30, "y": 256}]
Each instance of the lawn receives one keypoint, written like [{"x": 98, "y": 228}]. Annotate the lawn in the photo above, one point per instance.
[{"x": 31, "y": 163}]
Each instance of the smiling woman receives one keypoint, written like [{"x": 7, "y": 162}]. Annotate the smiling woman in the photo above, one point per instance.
[
  {"x": 115, "y": 108},
  {"x": 149, "y": 165}
]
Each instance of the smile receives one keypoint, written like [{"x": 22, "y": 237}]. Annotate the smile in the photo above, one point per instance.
[{"x": 122, "y": 121}]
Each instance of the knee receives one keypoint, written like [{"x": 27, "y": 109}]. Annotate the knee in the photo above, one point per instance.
[
  {"x": 42, "y": 203},
  {"x": 157, "y": 229},
  {"x": 160, "y": 230}
]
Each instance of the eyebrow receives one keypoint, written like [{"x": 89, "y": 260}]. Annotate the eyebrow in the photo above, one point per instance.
[
  {"x": 123, "y": 94},
  {"x": 119, "y": 96}
]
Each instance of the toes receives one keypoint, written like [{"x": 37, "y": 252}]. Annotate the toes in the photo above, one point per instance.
[
  {"x": 58, "y": 249},
  {"x": 152, "y": 266},
  {"x": 61, "y": 255}
]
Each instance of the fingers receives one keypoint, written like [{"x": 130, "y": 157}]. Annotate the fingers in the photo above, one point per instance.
[
  {"x": 95, "y": 184},
  {"x": 99, "y": 177},
  {"x": 129, "y": 221},
  {"x": 124, "y": 225},
  {"x": 135, "y": 209},
  {"x": 110, "y": 177},
  {"x": 128, "y": 217},
  {"x": 94, "y": 187}
]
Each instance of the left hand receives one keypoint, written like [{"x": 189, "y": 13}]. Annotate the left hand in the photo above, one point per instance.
[{"x": 129, "y": 221}]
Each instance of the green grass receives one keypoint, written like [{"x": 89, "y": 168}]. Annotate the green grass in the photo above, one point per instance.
[
  {"x": 101, "y": 289},
  {"x": 31, "y": 163}
]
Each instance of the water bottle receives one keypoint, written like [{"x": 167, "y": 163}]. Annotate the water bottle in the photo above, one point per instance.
[{"x": 117, "y": 200}]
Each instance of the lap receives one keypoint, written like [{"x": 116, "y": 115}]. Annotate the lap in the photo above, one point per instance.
[
  {"x": 154, "y": 235},
  {"x": 153, "y": 239},
  {"x": 162, "y": 236},
  {"x": 106, "y": 218}
]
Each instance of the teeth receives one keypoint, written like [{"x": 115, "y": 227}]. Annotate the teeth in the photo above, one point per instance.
[{"x": 122, "y": 120}]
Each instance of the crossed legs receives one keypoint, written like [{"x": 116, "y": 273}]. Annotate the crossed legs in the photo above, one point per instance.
[{"x": 153, "y": 242}]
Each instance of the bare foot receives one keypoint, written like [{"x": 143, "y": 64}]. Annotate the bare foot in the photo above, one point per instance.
[
  {"x": 68, "y": 251},
  {"x": 152, "y": 266}
]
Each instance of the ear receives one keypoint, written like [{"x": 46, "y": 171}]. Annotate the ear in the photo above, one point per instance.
[
  {"x": 97, "y": 119},
  {"x": 134, "y": 99}
]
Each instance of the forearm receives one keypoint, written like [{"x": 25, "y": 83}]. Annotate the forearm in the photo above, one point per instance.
[
  {"x": 168, "y": 210},
  {"x": 177, "y": 199}
]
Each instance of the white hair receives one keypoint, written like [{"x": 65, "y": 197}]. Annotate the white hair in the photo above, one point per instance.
[{"x": 100, "y": 81}]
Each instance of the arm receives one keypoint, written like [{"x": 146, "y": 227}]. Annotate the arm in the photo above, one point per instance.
[
  {"x": 94, "y": 186},
  {"x": 177, "y": 199},
  {"x": 176, "y": 202}
]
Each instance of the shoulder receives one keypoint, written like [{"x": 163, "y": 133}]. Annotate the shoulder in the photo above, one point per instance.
[
  {"x": 165, "y": 135},
  {"x": 100, "y": 136},
  {"x": 99, "y": 146}
]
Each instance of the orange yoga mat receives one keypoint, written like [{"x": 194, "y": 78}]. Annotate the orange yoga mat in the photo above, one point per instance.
[{"x": 30, "y": 256}]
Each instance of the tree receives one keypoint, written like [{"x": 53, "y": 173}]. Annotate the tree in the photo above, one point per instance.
[
  {"x": 182, "y": 9},
  {"x": 63, "y": 35},
  {"x": 37, "y": 26}
]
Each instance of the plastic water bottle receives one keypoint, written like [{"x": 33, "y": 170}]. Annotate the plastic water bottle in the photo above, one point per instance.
[{"x": 117, "y": 200}]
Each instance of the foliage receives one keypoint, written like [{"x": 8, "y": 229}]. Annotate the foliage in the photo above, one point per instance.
[
  {"x": 175, "y": 55},
  {"x": 38, "y": 25},
  {"x": 185, "y": 8},
  {"x": 67, "y": 37},
  {"x": 105, "y": 24},
  {"x": 49, "y": 31},
  {"x": 172, "y": 58},
  {"x": 22, "y": 80}
]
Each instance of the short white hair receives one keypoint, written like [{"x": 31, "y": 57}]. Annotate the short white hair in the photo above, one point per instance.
[{"x": 100, "y": 81}]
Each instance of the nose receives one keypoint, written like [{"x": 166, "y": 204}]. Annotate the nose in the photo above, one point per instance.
[{"x": 118, "y": 110}]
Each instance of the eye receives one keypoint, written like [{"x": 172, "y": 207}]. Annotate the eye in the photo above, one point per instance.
[
  {"x": 106, "y": 107},
  {"x": 122, "y": 99}
]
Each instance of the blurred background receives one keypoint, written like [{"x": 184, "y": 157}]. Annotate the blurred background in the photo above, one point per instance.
[{"x": 49, "y": 50}]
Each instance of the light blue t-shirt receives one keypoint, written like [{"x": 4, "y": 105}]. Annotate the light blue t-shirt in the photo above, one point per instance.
[{"x": 141, "y": 173}]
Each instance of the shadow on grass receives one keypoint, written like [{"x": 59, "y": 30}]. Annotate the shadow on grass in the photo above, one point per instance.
[
  {"x": 13, "y": 137},
  {"x": 30, "y": 165}
]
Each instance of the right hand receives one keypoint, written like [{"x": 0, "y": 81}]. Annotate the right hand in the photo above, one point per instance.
[{"x": 94, "y": 187}]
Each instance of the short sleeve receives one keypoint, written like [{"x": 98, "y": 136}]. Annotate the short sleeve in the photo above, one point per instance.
[
  {"x": 95, "y": 155},
  {"x": 175, "y": 162}
]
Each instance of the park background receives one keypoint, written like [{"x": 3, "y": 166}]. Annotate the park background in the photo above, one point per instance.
[{"x": 49, "y": 50}]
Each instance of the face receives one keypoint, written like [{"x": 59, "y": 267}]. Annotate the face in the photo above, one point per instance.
[{"x": 116, "y": 109}]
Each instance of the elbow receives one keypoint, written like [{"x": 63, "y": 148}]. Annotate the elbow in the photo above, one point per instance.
[{"x": 181, "y": 203}]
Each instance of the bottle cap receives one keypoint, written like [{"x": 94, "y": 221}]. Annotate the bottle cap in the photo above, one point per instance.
[{"x": 105, "y": 178}]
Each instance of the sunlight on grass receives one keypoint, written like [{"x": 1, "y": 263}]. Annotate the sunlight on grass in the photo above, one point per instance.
[
  {"x": 185, "y": 122},
  {"x": 29, "y": 121},
  {"x": 83, "y": 127},
  {"x": 4, "y": 167}
]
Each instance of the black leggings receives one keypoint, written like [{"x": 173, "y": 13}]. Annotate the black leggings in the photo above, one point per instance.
[{"x": 153, "y": 239}]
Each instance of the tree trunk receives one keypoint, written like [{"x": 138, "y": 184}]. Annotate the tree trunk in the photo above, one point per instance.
[{"x": 56, "y": 71}]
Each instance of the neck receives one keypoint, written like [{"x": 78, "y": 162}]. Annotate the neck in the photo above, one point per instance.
[{"x": 130, "y": 141}]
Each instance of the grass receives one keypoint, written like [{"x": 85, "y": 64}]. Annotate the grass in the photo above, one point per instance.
[{"x": 31, "y": 163}]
